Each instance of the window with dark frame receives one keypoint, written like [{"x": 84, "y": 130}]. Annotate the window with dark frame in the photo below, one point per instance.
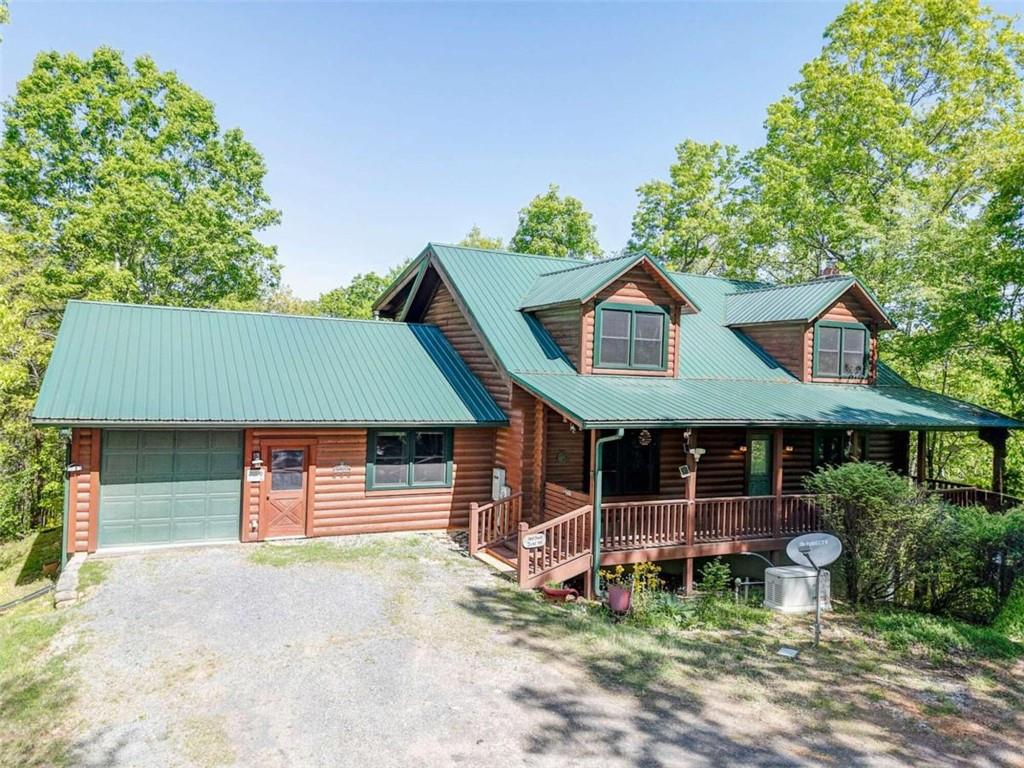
[
  {"x": 841, "y": 350},
  {"x": 412, "y": 458},
  {"x": 631, "y": 336}
]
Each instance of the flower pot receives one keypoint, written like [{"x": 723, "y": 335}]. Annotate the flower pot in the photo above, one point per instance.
[{"x": 619, "y": 599}]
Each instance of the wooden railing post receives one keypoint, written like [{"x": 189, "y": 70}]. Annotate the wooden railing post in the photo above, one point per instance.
[
  {"x": 474, "y": 526},
  {"x": 523, "y": 555},
  {"x": 778, "y": 449},
  {"x": 691, "y": 521}
]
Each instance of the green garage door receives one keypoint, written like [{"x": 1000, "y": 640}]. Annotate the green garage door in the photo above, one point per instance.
[{"x": 165, "y": 486}]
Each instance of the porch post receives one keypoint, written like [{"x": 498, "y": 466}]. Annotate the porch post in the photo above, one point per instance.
[
  {"x": 922, "y": 457},
  {"x": 997, "y": 439},
  {"x": 778, "y": 448},
  {"x": 688, "y": 583},
  {"x": 473, "y": 523}
]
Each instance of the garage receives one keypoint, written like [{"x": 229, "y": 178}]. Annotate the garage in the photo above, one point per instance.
[{"x": 169, "y": 487}]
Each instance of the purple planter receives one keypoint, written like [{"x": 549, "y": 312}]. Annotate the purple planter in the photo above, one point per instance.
[{"x": 619, "y": 599}]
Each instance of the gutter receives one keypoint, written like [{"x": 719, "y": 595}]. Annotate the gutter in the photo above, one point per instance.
[{"x": 598, "y": 478}]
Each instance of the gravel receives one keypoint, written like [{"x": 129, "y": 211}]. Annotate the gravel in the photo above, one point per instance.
[{"x": 370, "y": 651}]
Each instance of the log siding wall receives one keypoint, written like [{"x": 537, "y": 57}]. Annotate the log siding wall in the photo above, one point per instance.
[
  {"x": 84, "y": 491},
  {"x": 444, "y": 312},
  {"x": 563, "y": 324},
  {"x": 340, "y": 504}
]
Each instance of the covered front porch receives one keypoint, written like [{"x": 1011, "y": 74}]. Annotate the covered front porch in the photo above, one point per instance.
[{"x": 681, "y": 494}]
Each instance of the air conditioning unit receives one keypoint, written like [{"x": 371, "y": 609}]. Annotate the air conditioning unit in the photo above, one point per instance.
[
  {"x": 791, "y": 589},
  {"x": 499, "y": 489}
]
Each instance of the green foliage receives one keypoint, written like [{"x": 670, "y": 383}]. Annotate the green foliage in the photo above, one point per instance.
[
  {"x": 356, "y": 299},
  {"x": 116, "y": 183},
  {"x": 967, "y": 561},
  {"x": 714, "y": 579},
  {"x": 939, "y": 637},
  {"x": 477, "y": 239},
  {"x": 693, "y": 221},
  {"x": 552, "y": 225},
  {"x": 1010, "y": 620},
  {"x": 878, "y": 517}
]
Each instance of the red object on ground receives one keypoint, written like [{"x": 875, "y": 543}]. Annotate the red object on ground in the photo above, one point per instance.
[
  {"x": 619, "y": 599},
  {"x": 561, "y": 595}
]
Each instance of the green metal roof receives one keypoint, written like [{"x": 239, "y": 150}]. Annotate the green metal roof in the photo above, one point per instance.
[
  {"x": 800, "y": 302},
  {"x": 724, "y": 377},
  {"x": 121, "y": 363},
  {"x": 605, "y": 401},
  {"x": 579, "y": 282}
]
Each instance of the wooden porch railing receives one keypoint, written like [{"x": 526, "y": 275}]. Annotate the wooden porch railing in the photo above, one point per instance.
[
  {"x": 734, "y": 517},
  {"x": 800, "y": 514},
  {"x": 639, "y": 524},
  {"x": 493, "y": 523},
  {"x": 565, "y": 550},
  {"x": 963, "y": 495}
]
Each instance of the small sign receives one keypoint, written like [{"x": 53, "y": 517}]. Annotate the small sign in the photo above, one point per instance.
[
  {"x": 534, "y": 540},
  {"x": 789, "y": 653},
  {"x": 341, "y": 469},
  {"x": 255, "y": 475}
]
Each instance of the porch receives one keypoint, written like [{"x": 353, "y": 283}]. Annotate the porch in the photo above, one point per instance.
[{"x": 634, "y": 531}]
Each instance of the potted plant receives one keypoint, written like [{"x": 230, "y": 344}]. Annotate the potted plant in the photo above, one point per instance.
[
  {"x": 554, "y": 590},
  {"x": 619, "y": 585}
]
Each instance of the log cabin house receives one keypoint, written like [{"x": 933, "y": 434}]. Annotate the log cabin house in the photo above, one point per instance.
[{"x": 566, "y": 413}]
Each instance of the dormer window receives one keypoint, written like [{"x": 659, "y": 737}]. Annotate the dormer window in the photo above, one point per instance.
[
  {"x": 841, "y": 350},
  {"x": 631, "y": 336}
]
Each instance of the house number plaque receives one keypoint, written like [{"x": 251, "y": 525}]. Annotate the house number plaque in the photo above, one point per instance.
[{"x": 534, "y": 540}]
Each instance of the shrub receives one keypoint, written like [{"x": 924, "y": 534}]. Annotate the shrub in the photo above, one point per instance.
[
  {"x": 879, "y": 518},
  {"x": 1010, "y": 620},
  {"x": 714, "y": 579}
]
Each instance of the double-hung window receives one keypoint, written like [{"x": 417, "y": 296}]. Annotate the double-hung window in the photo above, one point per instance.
[
  {"x": 841, "y": 350},
  {"x": 631, "y": 336},
  {"x": 409, "y": 458}
]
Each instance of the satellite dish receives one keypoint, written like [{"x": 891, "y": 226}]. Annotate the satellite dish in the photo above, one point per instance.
[{"x": 814, "y": 549}]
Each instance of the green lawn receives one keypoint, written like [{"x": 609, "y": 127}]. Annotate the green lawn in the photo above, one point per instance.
[
  {"x": 35, "y": 691},
  {"x": 22, "y": 561}
]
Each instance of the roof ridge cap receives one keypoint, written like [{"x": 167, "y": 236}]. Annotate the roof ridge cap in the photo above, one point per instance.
[
  {"x": 504, "y": 252},
  {"x": 781, "y": 286},
  {"x": 257, "y": 313},
  {"x": 594, "y": 263}
]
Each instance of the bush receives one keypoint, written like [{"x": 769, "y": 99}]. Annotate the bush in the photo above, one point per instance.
[
  {"x": 879, "y": 518},
  {"x": 1010, "y": 620}
]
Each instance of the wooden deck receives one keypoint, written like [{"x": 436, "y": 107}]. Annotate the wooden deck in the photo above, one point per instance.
[
  {"x": 633, "y": 531},
  {"x": 645, "y": 530}
]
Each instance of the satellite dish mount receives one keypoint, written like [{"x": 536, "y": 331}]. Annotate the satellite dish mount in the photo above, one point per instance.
[{"x": 816, "y": 550}]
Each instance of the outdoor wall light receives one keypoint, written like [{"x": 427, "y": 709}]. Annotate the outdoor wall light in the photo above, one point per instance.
[
  {"x": 789, "y": 449},
  {"x": 742, "y": 448},
  {"x": 257, "y": 460}
]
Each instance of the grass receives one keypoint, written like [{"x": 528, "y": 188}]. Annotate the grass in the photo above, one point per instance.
[
  {"x": 92, "y": 574},
  {"x": 339, "y": 553},
  {"x": 939, "y": 638},
  {"x": 22, "y": 561},
  {"x": 35, "y": 691}
]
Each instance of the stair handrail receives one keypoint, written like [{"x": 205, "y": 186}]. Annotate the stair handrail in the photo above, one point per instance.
[
  {"x": 494, "y": 522},
  {"x": 573, "y": 541}
]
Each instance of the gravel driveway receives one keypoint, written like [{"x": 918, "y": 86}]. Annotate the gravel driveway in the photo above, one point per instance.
[{"x": 401, "y": 651}]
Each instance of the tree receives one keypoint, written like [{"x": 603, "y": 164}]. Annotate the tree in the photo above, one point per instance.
[
  {"x": 121, "y": 176},
  {"x": 477, "y": 239},
  {"x": 356, "y": 299},
  {"x": 879, "y": 153},
  {"x": 116, "y": 183},
  {"x": 552, "y": 225},
  {"x": 692, "y": 222}
]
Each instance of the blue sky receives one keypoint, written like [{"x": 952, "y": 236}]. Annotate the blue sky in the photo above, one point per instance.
[{"x": 385, "y": 126}]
